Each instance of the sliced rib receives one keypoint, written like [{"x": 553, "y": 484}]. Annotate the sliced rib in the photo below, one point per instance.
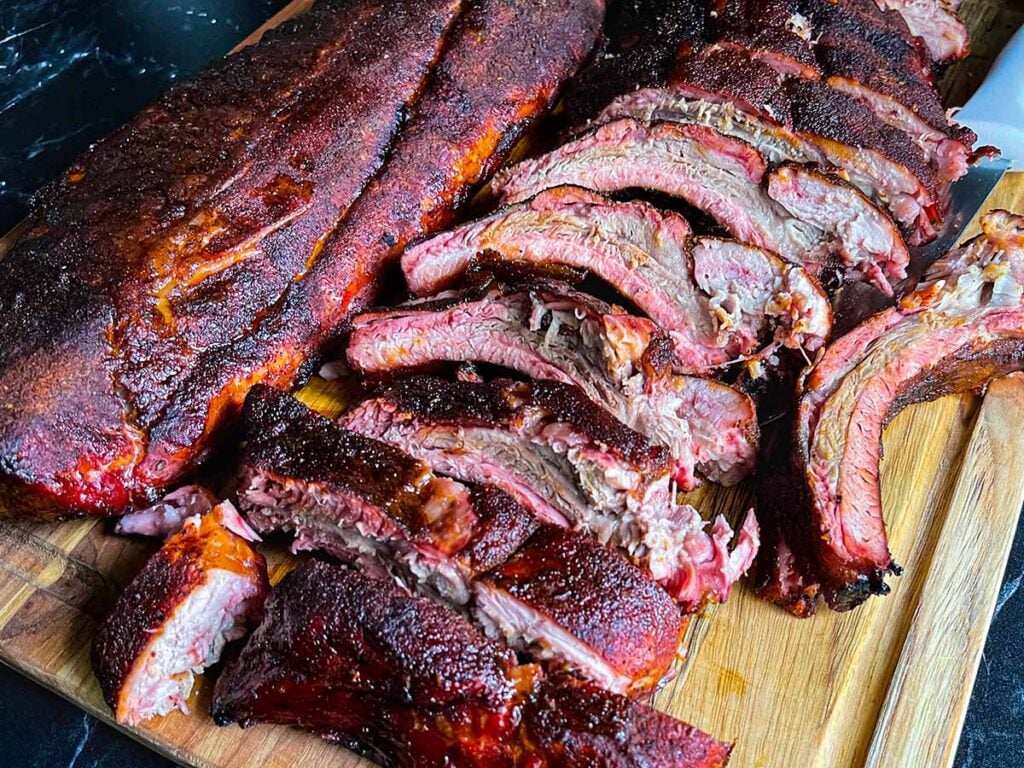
[
  {"x": 567, "y": 598},
  {"x": 865, "y": 239},
  {"x": 644, "y": 254},
  {"x": 701, "y": 165},
  {"x": 204, "y": 588},
  {"x": 416, "y": 686},
  {"x": 546, "y": 590},
  {"x": 549, "y": 331},
  {"x": 773, "y": 141},
  {"x": 574, "y": 725},
  {"x": 773, "y": 31},
  {"x": 870, "y": 245},
  {"x": 936, "y": 23},
  {"x": 907, "y": 103},
  {"x": 963, "y": 326},
  {"x": 711, "y": 171},
  {"x": 882, "y": 161},
  {"x": 358, "y": 660},
  {"x": 570, "y": 463},
  {"x": 885, "y": 32}
]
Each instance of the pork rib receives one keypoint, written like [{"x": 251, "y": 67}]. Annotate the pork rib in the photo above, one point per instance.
[
  {"x": 646, "y": 255},
  {"x": 773, "y": 31},
  {"x": 546, "y": 590},
  {"x": 567, "y": 461},
  {"x": 878, "y": 158},
  {"x": 203, "y": 589},
  {"x": 723, "y": 175},
  {"x": 549, "y": 331},
  {"x": 962, "y": 327},
  {"x": 229, "y": 188},
  {"x": 410, "y": 683},
  {"x": 936, "y": 23},
  {"x": 883, "y": 32},
  {"x": 870, "y": 246},
  {"x": 206, "y": 193},
  {"x": 711, "y": 171},
  {"x": 854, "y": 64}
]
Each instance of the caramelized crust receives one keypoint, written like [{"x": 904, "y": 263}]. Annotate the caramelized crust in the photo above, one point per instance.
[
  {"x": 150, "y": 397},
  {"x": 573, "y": 724},
  {"x": 174, "y": 236},
  {"x": 772, "y": 31},
  {"x": 820, "y": 110},
  {"x": 502, "y": 401},
  {"x": 286, "y": 438},
  {"x": 562, "y": 576},
  {"x": 503, "y": 524},
  {"x": 359, "y": 661},
  {"x": 641, "y": 41},
  {"x": 412, "y": 684}
]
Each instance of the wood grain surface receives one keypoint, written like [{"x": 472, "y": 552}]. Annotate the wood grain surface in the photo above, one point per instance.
[{"x": 884, "y": 686}]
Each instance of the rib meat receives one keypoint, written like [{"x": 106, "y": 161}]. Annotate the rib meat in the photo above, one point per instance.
[
  {"x": 773, "y": 31},
  {"x": 358, "y": 661},
  {"x": 860, "y": 49},
  {"x": 410, "y": 683},
  {"x": 936, "y": 23},
  {"x": 719, "y": 173},
  {"x": 567, "y": 461},
  {"x": 879, "y": 159},
  {"x": 584, "y": 606},
  {"x": 773, "y": 141},
  {"x": 870, "y": 246},
  {"x": 883, "y": 31},
  {"x": 644, "y": 253},
  {"x": 486, "y": 93},
  {"x": 185, "y": 258},
  {"x": 963, "y": 326},
  {"x": 547, "y": 330},
  {"x": 203, "y": 589},
  {"x": 550, "y": 592},
  {"x": 713, "y": 172},
  {"x": 211, "y": 198},
  {"x": 904, "y": 100}
]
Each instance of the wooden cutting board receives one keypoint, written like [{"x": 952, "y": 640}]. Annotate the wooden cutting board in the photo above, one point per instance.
[{"x": 886, "y": 685}]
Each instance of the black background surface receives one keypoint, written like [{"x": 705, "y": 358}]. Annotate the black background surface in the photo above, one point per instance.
[{"x": 73, "y": 70}]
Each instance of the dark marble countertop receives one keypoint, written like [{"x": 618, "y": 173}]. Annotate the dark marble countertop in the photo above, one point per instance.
[{"x": 73, "y": 70}]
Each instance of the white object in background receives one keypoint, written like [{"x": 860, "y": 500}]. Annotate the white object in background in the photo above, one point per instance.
[{"x": 996, "y": 110}]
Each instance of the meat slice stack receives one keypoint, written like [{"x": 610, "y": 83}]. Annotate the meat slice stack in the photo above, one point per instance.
[
  {"x": 963, "y": 326},
  {"x": 547, "y": 330},
  {"x": 189, "y": 255},
  {"x": 570, "y": 463},
  {"x": 844, "y": 88},
  {"x": 648, "y": 256},
  {"x": 546, "y": 590},
  {"x": 410, "y": 683}
]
